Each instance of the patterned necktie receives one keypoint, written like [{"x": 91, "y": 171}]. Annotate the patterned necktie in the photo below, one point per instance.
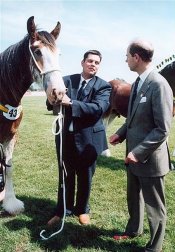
[
  {"x": 134, "y": 92},
  {"x": 81, "y": 90}
]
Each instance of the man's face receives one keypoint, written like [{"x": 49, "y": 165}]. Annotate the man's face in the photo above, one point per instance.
[
  {"x": 131, "y": 60},
  {"x": 90, "y": 65}
]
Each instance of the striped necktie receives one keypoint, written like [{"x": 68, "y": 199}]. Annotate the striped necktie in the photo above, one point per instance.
[{"x": 81, "y": 90}]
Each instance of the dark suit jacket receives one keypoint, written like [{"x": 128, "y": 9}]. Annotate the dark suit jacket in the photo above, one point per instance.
[
  {"x": 86, "y": 114},
  {"x": 146, "y": 129}
]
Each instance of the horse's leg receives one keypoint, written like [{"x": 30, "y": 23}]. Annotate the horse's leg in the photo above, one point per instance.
[
  {"x": 10, "y": 203},
  {"x": 107, "y": 120},
  {"x": 106, "y": 152}
]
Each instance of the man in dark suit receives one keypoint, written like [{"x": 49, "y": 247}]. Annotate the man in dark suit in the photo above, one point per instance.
[
  {"x": 147, "y": 157},
  {"x": 84, "y": 136}
]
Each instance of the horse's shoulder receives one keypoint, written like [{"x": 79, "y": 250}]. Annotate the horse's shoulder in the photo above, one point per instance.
[{"x": 120, "y": 86}]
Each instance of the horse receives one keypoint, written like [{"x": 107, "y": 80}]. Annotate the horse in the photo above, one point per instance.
[
  {"x": 119, "y": 99},
  {"x": 168, "y": 72},
  {"x": 120, "y": 94},
  {"x": 33, "y": 59}
]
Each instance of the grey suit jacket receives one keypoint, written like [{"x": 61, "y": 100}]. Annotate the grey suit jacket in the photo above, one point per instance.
[{"x": 147, "y": 127}]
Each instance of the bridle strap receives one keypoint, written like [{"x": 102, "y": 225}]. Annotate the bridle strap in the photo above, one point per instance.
[{"x": 41, "y": 72}]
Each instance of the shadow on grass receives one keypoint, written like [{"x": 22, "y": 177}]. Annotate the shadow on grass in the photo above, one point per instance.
[
  {"x": 111, "y": 163},
  {"x": 117, "y": 164},
  {"x": 74, "y": 236}
]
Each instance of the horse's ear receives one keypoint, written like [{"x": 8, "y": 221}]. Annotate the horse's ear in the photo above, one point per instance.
[
  {"x": 31, "y": 28},
  {"x": 56, "y": 30}
]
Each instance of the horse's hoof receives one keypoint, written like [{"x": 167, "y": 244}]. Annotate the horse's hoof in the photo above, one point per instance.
[
  {"x": 5, "y": 214},
  {"x": 13, "y": 207}
]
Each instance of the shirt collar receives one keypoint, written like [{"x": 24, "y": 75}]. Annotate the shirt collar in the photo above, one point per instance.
[
  {"x": 82, "y": 79},
  {"x": 144, "y": 75}
]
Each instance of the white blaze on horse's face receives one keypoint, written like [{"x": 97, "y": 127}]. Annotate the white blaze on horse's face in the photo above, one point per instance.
[
  {"x": 47, "y": 61},
  {"x": 52, "y": 78}
]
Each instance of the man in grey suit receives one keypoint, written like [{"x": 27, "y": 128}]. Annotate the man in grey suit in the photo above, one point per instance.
[
  {"x": 84, "y": 136},
  {"x": 147, "y": 157}
]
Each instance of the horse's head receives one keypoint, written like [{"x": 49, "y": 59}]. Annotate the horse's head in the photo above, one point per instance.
[{"x": 45, "y": 60}]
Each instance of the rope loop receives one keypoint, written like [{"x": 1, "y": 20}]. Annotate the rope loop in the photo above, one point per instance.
[
  {"x": 58, "y": 119},
  {"x": 64, "y": 216}
]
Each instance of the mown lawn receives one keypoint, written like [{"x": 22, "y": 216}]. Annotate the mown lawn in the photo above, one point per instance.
[{"x": 35, "y": 181}]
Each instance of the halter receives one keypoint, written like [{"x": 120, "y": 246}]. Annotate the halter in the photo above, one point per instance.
[{"x": 42, "y": 73}]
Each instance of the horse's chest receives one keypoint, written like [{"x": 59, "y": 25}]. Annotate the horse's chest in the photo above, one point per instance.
[{"x": 8, "y": 128}]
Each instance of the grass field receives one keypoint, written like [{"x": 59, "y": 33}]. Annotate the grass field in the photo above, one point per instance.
[{"x": 35, "y": 181}]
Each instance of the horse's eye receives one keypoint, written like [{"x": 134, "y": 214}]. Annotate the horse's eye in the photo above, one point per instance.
[{"x": 38, "y": 53}]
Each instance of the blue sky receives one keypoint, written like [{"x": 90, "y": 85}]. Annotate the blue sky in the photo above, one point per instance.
[{"x": 107, "y": 26}]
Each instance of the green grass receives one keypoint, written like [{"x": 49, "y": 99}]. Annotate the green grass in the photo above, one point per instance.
[{"x": 35, "y": 181}]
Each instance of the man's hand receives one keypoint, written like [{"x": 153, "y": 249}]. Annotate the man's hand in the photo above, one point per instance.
[
  {"x": 131, "y": 159},
  {"x": 114, "y": 139},
  {"x": 66, "y": 101}
]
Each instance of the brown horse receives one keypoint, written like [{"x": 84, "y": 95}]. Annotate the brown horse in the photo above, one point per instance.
[
  {"x": 119, "y": 100},
  {"x": 34, "y": 58}
]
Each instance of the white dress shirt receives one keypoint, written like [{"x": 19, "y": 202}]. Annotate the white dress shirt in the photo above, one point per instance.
[{"x": 143, "y": 77}]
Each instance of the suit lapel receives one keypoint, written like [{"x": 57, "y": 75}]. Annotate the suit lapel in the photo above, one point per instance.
[
  {"x": 75, "y": 80},
  {"x": 142, "y": 92},
  {"x": 88, "y": 88}
]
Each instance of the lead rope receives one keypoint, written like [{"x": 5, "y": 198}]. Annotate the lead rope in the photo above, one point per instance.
[{"x": 60, "y": 120}]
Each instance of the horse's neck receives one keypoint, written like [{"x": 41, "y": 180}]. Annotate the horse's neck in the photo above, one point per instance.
[{"x": 15, "y": 73}]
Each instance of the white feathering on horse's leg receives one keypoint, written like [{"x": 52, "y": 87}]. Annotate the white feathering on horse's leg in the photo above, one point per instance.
[{"x": 10, "y": 203}]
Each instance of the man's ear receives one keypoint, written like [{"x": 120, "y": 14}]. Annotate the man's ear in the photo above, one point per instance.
[{"x": 137, "y": 56}]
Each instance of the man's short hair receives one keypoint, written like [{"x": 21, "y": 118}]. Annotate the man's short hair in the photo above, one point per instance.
[{"x": 95, "y": 52}]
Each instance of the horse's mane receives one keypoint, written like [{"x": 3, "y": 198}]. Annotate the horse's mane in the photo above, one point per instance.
[
  {"x": 16, "y": 66},
  {"x": 12, "y": 62}
]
